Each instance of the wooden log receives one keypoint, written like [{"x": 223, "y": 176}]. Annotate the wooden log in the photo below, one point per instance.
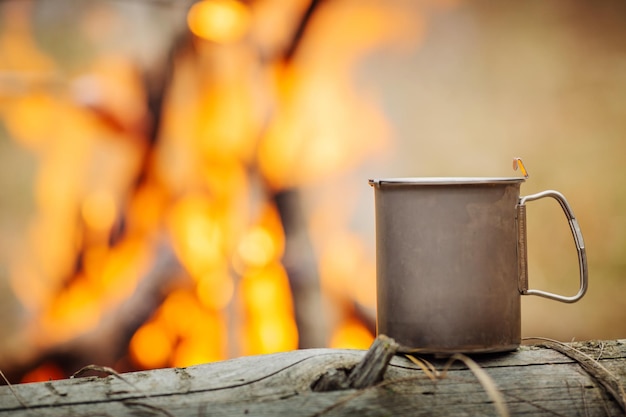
[{"x": 534, "y": 380}]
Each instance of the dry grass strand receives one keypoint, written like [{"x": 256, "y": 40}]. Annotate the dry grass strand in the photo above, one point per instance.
[
  {"x": 430, "y": 372},
  {"x": 15, "y": 394},
  {"x": 108, "y": 371},
  {"x": 485, "y": 380}
]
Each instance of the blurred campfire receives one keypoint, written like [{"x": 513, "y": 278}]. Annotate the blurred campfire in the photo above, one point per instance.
[{"x": 170, "y": 228}]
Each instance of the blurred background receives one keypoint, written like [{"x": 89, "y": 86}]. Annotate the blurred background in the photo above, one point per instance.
[{"x": 186, "y": 181}]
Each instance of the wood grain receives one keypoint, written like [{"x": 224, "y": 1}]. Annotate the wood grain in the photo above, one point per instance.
[{"x": 534, "y": 380}]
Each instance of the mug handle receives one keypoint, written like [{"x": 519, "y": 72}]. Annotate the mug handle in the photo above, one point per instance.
[{"x": 523, "y": 251}]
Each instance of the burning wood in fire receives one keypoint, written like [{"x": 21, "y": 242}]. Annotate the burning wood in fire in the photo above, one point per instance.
[{"x": 170, "y": 227}]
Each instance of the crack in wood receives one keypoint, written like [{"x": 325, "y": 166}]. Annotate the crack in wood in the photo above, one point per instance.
[
  {"x": 152, "y": 408},
  {"x": 184, "y": 379},
  {"x": 119, "y": 392},
  {"x": 54, "y": 391}
]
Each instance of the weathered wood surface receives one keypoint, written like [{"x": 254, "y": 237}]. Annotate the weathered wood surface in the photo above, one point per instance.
[{"x": 534, "y": 381}]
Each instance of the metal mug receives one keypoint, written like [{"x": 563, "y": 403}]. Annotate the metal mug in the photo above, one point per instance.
[{"x": 451, "y": 262}]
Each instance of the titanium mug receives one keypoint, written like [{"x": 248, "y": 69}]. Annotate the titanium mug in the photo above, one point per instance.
[{"x": 451, "y": 262}]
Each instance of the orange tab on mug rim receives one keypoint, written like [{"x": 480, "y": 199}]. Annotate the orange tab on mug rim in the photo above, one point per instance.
[{"x": 517, "y": 163}]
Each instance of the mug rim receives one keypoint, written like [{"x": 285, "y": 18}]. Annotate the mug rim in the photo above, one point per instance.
[{"x": 446, "y": 180}]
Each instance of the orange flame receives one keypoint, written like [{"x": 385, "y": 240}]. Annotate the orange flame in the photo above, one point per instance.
[
  {"x": 221, "y": 21},
  {"x": 269, "y": 321},
  {"x": 232, "y": 125},
  {"x": 182, "y": 333}
]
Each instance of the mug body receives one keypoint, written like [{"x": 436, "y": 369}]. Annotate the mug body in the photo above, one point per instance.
[{"x": 447, "y": 266}]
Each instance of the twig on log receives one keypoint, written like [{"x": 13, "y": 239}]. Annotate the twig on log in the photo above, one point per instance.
[
  {"x": 372, "y": 368},
  {"x": 368, "y": 372},
  {"x": 609, "y": 381}
]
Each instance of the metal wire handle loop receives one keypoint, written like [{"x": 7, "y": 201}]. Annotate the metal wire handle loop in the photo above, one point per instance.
[{"x": 522, "y": 247}]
